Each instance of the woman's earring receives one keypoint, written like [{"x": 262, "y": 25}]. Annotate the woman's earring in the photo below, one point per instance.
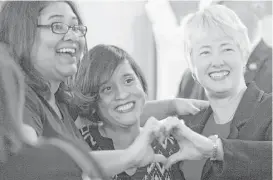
[{"x": 195, "y": 79}]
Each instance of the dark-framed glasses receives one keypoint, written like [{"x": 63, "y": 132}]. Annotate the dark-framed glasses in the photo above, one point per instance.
[{"x": 61, "y": 28}]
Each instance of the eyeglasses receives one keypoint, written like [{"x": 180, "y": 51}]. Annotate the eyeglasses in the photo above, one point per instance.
[{"x": 61, "y": 28}]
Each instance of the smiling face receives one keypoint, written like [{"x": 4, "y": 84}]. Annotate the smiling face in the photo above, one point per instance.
[
  {"x": 122, "y": 97},
  {"x": 217, "y": 63},
  {"x": 56, "y": 56}
]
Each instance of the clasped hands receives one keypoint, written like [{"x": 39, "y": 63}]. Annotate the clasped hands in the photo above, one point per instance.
[{"x": 193, "y": 146}]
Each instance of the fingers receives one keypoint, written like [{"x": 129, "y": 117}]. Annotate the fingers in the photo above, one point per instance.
[
  {"x": 151, "y": 129},
  {"x": 174, "y": 158},
  {"x": 197, "y": 105},
  {"x": 173, "y": 126},
  {"x": 200, "y": 104},
  {"x": 193, "y": 109},
  {"x": 160, "y": 158},
  {"x": 189, "y": 106}
]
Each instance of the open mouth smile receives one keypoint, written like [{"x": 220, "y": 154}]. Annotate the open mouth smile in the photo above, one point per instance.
[{"x": 124, "y": 108}]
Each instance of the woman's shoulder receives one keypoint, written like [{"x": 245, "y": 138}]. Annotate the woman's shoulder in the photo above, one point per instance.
[
  {"x": 264, "y": 108},
  {"x": 261, "y": 102},
  {"x": 32, "y": 100},
  {"x": 92, "y": 136},
  {"x": 26, "y": 165}
]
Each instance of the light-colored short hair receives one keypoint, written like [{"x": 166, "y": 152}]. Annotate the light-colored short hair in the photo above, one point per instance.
[{"x": 216, "y": 18}]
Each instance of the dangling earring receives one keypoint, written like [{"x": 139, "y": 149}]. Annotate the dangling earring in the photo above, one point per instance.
[{"x": 195, "y": 79}]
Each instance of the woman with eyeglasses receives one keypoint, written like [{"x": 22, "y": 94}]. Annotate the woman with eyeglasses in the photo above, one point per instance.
[
  {"x": 47, "y": 40},
  {"x": 24, "y": 157}
]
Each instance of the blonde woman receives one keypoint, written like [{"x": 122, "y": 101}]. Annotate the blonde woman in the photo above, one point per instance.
[{"x": 232, "y": 139}]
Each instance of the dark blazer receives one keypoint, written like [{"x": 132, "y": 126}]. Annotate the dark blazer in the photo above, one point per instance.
[
  {"x": 258, "y": 69},
  {"x": 248, "y": 148}
]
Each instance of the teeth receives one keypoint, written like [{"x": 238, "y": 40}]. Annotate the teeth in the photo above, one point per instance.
[
  {"x": 125, "y": 107},
  {"x": 218, "y": 75},
  {"x": 66, "y": 50}
]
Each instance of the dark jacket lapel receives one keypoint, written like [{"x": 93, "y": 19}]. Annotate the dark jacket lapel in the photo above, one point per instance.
[
  {"x": 198, "y": 121},
  {"x": 250, "y": 100}
]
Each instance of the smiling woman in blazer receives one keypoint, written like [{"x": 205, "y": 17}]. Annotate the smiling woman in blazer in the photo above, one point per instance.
[{"x": 232, "y": 139}]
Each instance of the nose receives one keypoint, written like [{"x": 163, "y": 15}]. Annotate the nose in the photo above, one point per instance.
[
  {"x": 217, "y": 61},
  {"x": 121, "y": 93},
  {"x": 71, "y": 35}
]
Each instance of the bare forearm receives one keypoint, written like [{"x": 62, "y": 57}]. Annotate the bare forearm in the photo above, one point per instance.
[
  {"x": 160, "y": 109},
  {"x": 113, "y": 162}
]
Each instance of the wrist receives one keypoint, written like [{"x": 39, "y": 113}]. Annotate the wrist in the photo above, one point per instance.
[
  {"x": 129, "y": 160},
  {"x": 172, "y": 107},
  {"x": 212, "y": 152},
  {"x": 216, "y": 151},
  {"x": 220, "y": 154}
]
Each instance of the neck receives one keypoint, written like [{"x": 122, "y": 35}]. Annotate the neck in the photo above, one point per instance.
[
  {"x": 122, "y": 137},
  {"x": 54, "y": 86},
  {"x": 225, "y": 100},
  {"x": 224, "y": 108}
]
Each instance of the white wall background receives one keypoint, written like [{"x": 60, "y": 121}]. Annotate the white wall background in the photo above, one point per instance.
[{"x": 165, "y": 16}]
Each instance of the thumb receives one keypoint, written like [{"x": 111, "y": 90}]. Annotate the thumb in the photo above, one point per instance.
[
  {"x": 160, "y": 158},
  {"x": 200, "y": 104},
  {"x": 194, "y": 110},
  {"x": 174, "y": 158}
]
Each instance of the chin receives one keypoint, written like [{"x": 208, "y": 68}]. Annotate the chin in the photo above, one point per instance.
[
  {"x": 218, "y": 88},
  {"x": 69, "y": 72},
  {"x": 129, "y": 120},
  {"x": 220, "y": 91}
]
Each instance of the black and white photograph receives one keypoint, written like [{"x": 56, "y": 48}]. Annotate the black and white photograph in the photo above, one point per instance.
[{"x": 136, "y": 90}]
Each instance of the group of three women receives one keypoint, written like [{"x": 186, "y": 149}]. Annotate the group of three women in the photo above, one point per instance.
[{"x": 105, "y": 92}]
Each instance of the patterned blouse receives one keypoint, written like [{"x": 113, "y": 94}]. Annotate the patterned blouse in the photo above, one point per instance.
[{"x": 153, "y": 171}]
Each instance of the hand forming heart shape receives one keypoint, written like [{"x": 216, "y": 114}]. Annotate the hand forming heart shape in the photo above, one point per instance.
[{"x": 192, "y": 146}]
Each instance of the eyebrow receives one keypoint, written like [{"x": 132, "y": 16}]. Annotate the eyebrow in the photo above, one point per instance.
[
  {"x": 206, "y": 46},
  {"x": 124, "y": 75},
  {"x": 224, "y": 44},
  {"x": 128, "y": 74},
  {"x": 60, "y": 16}
]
